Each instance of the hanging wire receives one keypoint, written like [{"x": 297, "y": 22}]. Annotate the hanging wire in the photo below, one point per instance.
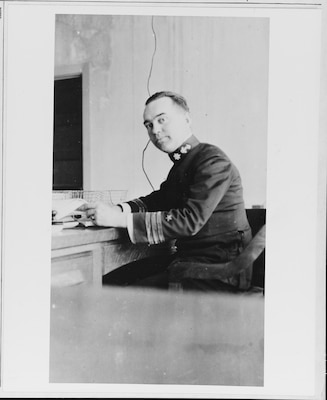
[
  {"x": 146, "y": 175},
  {"x": 153, "y": 54},
  {"x": 148, "y": 88}
]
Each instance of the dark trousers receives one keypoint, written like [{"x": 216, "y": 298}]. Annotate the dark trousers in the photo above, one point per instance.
[
  {"x": 149, "y": 272},
  {"x": 153, "y": 272}
]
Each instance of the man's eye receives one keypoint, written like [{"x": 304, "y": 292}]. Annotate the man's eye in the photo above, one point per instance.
[
  {"x": 148, "y": 126},
  {"x": 161, "y": 120}
]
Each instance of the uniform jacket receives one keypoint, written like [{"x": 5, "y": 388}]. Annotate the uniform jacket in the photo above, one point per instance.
[{"x": 200, "y": 204}]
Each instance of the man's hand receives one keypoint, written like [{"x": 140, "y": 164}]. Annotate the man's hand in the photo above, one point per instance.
[{"x": 103, "y": 215}]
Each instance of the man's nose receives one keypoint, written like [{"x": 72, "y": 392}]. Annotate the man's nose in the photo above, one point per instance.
[{"x": 156, "y": 129}]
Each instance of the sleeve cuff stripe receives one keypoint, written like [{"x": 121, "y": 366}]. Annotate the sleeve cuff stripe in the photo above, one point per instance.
[
  {"x": 148, "y": 228},
  {"x": 154, "y": 227},
  {"x": 160, "y": 230},
  {"x": 137, "y": 205},
  {"x": 141, "y": 205}
]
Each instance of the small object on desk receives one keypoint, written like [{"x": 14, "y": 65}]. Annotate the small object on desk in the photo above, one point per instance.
[
  {"x": 57, "y": 227},
  {"x": 86, "y": 223},
  {"x": 70, "y": 224},
  {"x": 66, "y": 212},
  {"x": 65, "y": 208},
  {"x": 105, "y": 196}
]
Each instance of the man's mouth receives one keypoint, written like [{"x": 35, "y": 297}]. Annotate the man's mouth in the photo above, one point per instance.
[{"x": 161, "y": 140}]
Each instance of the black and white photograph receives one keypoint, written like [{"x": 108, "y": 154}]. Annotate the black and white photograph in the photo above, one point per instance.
[
  {"x": 179, "y": 149},
  {"x": 190, "y": 234}
]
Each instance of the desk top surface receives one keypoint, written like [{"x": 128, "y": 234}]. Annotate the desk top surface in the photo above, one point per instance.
[
  {"x": 155, "y": 337},
  {"x": 80, "y": 236}
]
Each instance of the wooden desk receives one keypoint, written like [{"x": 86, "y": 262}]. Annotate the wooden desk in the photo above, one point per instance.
[
  {"x": 155, "y": 337},
  {"x": 83, "y": 255}
]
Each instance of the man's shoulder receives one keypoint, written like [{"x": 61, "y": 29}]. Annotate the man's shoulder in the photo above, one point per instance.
[{"x": 207, "y": 149}]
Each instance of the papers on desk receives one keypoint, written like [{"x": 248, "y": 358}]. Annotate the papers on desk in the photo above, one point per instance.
[
  {"x": 66, "y": 214},
  {"x": 65, "y": 208}
]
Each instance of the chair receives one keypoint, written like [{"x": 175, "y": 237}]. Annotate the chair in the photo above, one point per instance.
[{"x": 222, "y": 272}]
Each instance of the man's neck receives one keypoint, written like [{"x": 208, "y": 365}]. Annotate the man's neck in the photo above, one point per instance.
[{"x": 187, "y": 137}]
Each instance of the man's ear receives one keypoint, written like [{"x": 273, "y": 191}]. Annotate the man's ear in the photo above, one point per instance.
[{"x": 188, "y": 118}]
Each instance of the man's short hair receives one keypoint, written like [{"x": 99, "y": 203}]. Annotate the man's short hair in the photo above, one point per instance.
[{"x": 176, "y": 98}]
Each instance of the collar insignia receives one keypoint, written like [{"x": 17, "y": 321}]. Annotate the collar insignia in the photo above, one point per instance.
[{"x": 180, "y": 152}]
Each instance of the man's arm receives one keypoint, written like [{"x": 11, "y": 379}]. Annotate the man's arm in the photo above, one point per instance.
[
  {"x": 213, "y": 174},
  {"x": 152, "y": 202}
]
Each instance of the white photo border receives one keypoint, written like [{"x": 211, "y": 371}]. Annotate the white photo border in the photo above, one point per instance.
[{"x": 293, "y": 189}]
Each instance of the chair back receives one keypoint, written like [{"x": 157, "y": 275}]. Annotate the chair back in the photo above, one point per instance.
[{"x": 223, "y": 271}]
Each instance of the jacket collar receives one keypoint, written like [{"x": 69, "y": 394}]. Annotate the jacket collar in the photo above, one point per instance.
[{"x": 180, "y": 153}]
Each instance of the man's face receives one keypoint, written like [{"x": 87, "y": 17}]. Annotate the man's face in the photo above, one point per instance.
[{"x": 168, "y": 125}]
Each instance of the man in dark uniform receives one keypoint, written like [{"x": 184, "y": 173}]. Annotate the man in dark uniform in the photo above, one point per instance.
[{"x": 200, "y": 205}]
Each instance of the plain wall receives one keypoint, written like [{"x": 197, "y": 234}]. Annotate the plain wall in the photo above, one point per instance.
[{"x": 219, "y": 64}]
